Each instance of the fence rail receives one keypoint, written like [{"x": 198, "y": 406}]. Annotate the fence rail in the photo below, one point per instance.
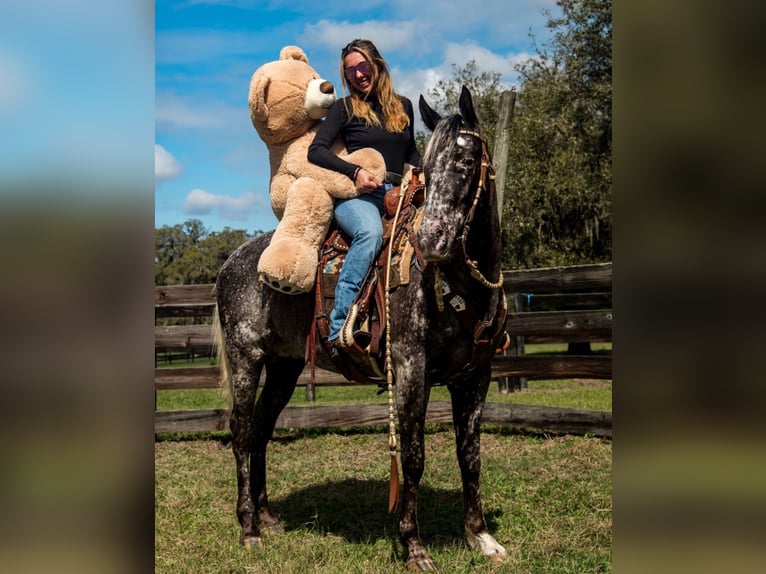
[
  {"x": 531, "y": 417},
  {"x": 569, "y": 304}
]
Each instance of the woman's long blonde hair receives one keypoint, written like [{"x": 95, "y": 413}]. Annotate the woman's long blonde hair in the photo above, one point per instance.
[{"x": 394, "y": 116}]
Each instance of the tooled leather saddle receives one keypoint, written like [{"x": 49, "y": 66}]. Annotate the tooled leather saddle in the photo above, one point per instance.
[{"x": 363, "y": 359}]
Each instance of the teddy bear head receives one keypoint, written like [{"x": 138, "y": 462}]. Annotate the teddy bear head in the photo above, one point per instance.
[{"x": 287, "y": 97}]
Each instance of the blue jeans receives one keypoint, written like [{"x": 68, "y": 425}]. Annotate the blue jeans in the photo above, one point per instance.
[{"x": 359, "y": 217}]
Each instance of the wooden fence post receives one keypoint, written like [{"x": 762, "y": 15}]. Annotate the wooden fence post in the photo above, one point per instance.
[
  {"x": 502, "y": 144},
  {"x": 500, "y": 159},
  {"x": 517, "y": 347}
]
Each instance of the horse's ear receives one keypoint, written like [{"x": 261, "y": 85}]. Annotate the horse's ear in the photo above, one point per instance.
[
  {"x": 466, "y": 109},
  {"x": 429, "y": 115}
]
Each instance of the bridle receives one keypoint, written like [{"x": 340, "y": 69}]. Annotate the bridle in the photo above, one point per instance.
[
  {"x": 495, "y": 318},
  {"x": 486, "y": 182}
]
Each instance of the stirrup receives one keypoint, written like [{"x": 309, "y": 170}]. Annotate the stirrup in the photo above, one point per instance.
[{"x": 354, "y": 343}]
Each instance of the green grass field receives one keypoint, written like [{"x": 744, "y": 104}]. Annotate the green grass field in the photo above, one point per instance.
[{"x": 547, "y": 498}]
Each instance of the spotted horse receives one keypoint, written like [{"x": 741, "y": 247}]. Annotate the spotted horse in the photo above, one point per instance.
[{"x": 443, "y": 328}]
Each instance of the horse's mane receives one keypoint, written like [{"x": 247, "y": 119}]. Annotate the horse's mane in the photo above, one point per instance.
[{"x": 444, "y": 131}]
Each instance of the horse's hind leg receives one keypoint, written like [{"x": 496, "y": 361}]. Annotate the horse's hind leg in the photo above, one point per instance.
[
  {"x": 244, "y": 385},
  {"x": 467, "y": 405},
  {"x": 281, "y": 377},
  {"x": 252, "y": 425}
]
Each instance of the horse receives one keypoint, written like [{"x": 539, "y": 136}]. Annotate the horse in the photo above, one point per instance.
[{"x": 444, "y": 327}]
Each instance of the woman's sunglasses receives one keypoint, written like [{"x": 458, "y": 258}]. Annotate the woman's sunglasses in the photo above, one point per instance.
[{"x": 363, "y": 68}]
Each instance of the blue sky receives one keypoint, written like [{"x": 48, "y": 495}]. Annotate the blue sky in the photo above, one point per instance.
[{"x": 210, "y": 163}]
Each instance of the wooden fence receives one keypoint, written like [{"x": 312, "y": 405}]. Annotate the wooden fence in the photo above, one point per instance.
[{"x": 569, "y": 304}]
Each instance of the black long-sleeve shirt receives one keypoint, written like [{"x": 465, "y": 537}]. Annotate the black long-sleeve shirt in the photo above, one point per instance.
[{"x": 396, "y": 148}]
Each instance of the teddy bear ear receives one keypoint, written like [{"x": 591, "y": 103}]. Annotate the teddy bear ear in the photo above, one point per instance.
[
  {"x": 293, "y": 53},
  {"x": 259, "y": 110}
]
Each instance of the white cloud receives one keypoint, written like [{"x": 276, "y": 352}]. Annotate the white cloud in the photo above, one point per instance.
[
  {"x": 388, "y": 35},
  {"x": 165, "y": 165},
  {"x": 413, "y": 83},
  {"x": 486, "y": 60},
  {"x": 201, "y": 202}
]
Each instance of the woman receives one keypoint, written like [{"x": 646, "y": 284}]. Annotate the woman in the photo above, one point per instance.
[{"x": 373, "y": 115}]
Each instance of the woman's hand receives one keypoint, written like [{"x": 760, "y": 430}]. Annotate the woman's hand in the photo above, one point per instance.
[{"x": 365, "y": 182}]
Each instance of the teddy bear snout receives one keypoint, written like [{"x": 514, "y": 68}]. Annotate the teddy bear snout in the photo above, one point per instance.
[{"x": 320, "y": 96}]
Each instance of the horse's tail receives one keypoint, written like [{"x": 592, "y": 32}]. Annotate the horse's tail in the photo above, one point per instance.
[{"x": 219, "y": 342}]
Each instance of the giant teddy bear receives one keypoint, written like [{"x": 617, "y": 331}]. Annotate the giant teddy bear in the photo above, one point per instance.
[{"x": 287, "y": 102}]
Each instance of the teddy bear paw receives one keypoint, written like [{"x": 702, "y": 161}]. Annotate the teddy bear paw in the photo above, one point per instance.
[
  {"x": 280, "y": 284},
  {"x": 288, "y": 265}
]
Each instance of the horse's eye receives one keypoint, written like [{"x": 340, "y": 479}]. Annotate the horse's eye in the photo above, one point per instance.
[{"x": 465, "y": 164}]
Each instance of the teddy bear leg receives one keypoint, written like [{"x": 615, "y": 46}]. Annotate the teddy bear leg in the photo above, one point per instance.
[{"x": 289, "y": 263}]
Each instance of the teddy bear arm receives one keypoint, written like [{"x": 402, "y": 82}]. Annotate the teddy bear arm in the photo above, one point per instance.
[{"x": 369, "y": 159}]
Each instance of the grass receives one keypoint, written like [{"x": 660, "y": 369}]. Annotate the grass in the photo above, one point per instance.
[{"x": 547, "y": 499}]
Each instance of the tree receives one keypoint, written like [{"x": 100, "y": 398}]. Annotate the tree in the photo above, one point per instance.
[
  {"x": 170, "y": 244},
  {"x": 558, "y": 198},
  {"x": 219, "y": 245},
  {"x": 189, "y": 254}
]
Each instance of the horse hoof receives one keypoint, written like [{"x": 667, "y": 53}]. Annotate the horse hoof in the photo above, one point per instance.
[
  {"x": 250, "y": 542},
  {"x": 488, "y": 546},
  {"x": 424, "y": 564}
]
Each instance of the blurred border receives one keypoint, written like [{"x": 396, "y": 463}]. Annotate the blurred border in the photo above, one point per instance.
[
  {"x": 76, "y": 230},
  {"x": 76, "y": 299},
  {"x": 689, "y": 489}
]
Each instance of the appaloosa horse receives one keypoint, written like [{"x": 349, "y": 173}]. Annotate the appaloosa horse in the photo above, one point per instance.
[{"x": 445, "y": 325}]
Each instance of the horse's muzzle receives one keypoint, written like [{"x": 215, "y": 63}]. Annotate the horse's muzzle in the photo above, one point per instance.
[{"x": 435, "y": 244}]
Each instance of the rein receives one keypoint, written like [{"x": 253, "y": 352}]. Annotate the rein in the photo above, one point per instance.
[{"x": 393, "y": 482}]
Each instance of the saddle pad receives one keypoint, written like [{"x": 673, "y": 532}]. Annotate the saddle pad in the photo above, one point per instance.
[{"x": 400, "y": 268}]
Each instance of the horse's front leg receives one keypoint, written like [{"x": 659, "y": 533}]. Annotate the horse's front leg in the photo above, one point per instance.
[
  {"x": 467, "y": 404},
  {"x": 412, "y": 398}
]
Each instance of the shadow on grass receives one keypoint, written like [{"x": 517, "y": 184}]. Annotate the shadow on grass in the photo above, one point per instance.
[{"x": 357, "y": 511}]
